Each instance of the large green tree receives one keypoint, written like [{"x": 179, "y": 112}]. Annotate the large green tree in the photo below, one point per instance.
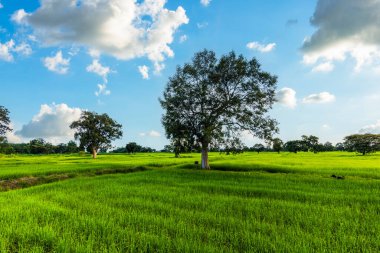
[
  {"x": 4, "y": 122},
  {"x": 96, "y": 131},
  {"x": 210, "y": 101},
  {"x": 362, "y": 143}
]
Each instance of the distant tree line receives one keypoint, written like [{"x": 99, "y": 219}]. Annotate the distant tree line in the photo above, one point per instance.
[
  {"x": 360, "y": 143},
  {"x": 132, "y": 148},
  {"x": 38, "y": 146}
]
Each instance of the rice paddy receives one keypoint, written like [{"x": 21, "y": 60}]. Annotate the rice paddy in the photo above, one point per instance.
[{"x": 251, "y": 202}]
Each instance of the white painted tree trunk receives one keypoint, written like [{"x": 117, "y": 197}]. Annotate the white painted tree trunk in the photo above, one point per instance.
[
  {"x": 205, "y": 164},
  {"x": 94, "y": 153}
]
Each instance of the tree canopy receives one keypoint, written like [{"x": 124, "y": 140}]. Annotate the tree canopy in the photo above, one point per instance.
[
  {"x": 4, "y": 122},
  {"x": 96, "y": 131},
  {"x": 362, "y": 143},
  {"x": 277, "y": 144},
  {"x": 211, "y": 101}
]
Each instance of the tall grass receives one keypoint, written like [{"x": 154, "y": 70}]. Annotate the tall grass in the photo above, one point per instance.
[{"x": 293, "y": 206}]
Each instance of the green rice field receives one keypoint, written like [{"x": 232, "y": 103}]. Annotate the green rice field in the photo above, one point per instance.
[{"x": 251, "y": 202}]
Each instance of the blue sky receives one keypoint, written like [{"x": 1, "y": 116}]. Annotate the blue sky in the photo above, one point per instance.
[{"x": 58, "y": 57}]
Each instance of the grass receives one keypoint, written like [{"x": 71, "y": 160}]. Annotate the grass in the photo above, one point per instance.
[{"x": 253, "y": 203}]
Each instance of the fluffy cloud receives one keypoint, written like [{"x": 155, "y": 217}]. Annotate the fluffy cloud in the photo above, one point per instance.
[
  {"x": 345, "y": 28},
  {"x": 23, "y": 49},
  {"x": 152, "y": 133},
  {"x": 19, "y": 16},
  {"x": 5, "y": 51},
  {"x": 144, "y": 71},
  {"x": 324, "y": 67},
  {"x": 287, "y": 97},
  {"x": 102, "y": 90},
  {"x": 8, "y": 48},
  {"x": 51, "y": 123},
  {"x": 1, "y": 6},
  {"x": 97, "y": 68},
  {"x": 100, "y": 70},
  {"x": 321, "y": 98},
  {"x": 261, "y": 47},
  {"x": 57, "y": 63},
  {"x": 371, "y": 129},
  {"x": 125, "y": 29},
  {"x": 205, "y": 2},
  {"x": 12, "y": 137}
]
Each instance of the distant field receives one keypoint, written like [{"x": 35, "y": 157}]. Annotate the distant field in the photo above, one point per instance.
[{"x": 252, "y": 202}]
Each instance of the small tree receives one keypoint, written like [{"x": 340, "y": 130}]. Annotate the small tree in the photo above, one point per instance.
[
  {"x": 38, "y": 146},
  {"x": 4, "y": 122},
  {"x": 132, "y": 147},
  {"x": 277, "y": 144},
  {"x": 328, "y": 147},
  {"x": 294, "y": 146},
  {"x": 362, "y": 143},
  {"x": 72, "y": 147},
  {"x": 311, "y": 143},
  {"x": 258, "y": 148},
  {"x": 96, "y": 131},
  {"x": 339, "y": 147},
  {"x": 210, "y": 101}
]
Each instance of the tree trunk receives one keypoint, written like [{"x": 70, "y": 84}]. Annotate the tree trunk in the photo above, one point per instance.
[
  {"x": 94, "y": 153},
  {"x": 205, "y": 164}
]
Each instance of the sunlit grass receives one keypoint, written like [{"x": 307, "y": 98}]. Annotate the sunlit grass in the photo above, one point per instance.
[{"x": 266, "y": 202}]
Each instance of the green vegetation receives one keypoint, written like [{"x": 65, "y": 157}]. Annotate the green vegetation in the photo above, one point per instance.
[
  {"x": 260, "y": 202},
  {"x": 96, "y": 131},
  {"x": 210, "y": 101}
]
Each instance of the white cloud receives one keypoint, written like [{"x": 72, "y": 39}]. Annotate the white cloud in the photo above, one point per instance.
[
  {"x": 23, "y": 49},
  {"x": 125, "y": 29},
  {"x": 1, "y": 6},
  {"x": 287, "y": 97},
  {"x": 263, "y": 48},
  {"x": 152, "y": 133},
  {"x": 97, "y": 68},
  {"x": 19, "y": 16},
  {"x": 12, "y": 137},
  {"x": 5, "y": 51},
  {"x": 345, "y": 28},
  {"x": 324, "y": 67},
  {"x": 321, "y": 98},
  {"x": 144, "y": 71},
  {"x": 102, "y": 90},
  {"x": 57, "y": 63},
  {"x": 10, "y": 47},
  {"x": 371, "y": 129},
  {"x": 74, "y": 50},
  {"x": 51, "y": 123},
  {"x": 205, "y": 2},
  {"x": 183, "y": 38}
]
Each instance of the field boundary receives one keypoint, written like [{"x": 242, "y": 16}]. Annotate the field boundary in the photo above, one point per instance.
[{"x": 33, "y": 180}]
